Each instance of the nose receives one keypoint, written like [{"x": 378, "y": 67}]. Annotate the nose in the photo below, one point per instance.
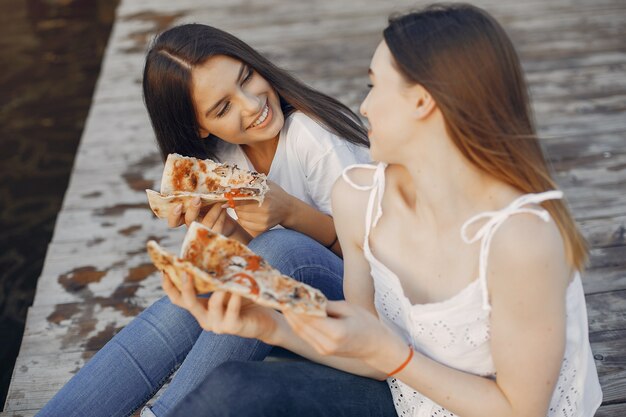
[
  {"x": 250, "y": 103},
  {"x": 363, "y": 106}
]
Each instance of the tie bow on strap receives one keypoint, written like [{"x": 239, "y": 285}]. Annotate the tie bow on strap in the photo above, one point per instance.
[
  {"x": 376, "y": 196},
  {"x": 495, "y": 220}
]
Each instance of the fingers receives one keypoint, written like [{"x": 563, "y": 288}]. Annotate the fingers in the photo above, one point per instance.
[
  {"x": 212, "y": 215},
  {"x": 174, "y": 218},
  {"x": 220, "y": 222},
  {"x": 328, "y": 335},
  {"x": 245, "y": 204},
  {"x": 193, "y": 210},
  {"x": 233, "y": 309},
  {"x": 192, "y": 303},
  {"x": 216, "y": 309},
  {"x": 317, "y": 340},
  {"x": 338, "y": 309},
  {"x": 171, "y": 290}
]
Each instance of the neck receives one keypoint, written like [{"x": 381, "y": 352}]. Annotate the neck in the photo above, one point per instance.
[
  {"x": 447, "y": 187},
  {"x": 261, "y": 154}
]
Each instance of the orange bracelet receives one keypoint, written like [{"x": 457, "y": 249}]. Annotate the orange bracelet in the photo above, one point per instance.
[{"x": 404, "y": 364}]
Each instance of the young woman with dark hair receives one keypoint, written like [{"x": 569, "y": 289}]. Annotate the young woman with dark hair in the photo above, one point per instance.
[
  {"x": 210, "y": 95},
  {"x": 462, "y": 262}
]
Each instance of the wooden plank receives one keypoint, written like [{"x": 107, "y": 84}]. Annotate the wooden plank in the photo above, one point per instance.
[
  {"x": 605, "y": 232},
  {"x": 604, "y": 280},
  {"x": 609, "y": 348},
  {"x": 612, "y": 410},
  {"x": 583, "y": 147},
  {"x": 588, "y": 82},
  {"x": 606, "y": 311}
]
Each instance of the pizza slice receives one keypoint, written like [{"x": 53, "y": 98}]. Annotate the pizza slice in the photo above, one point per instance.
[
  {"x": 217, "y": 254},
  {"x": 185, "y": 178},
  {"x": 215, "y": 262}
]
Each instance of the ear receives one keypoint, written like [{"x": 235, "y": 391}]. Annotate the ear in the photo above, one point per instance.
[
  {"x": 423, "y": 101},
  {"x": 203, "y": 132}
]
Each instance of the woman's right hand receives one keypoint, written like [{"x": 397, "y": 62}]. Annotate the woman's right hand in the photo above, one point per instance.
[{"x": 225, "y": 313}]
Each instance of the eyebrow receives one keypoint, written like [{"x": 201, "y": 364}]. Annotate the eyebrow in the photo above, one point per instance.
[{"x": 220, "y": 101}]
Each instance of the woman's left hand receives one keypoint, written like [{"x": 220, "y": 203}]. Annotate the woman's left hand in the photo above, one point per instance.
[
  {"x": 276, "y": 209},
  {"x": 348, "y": 331}
]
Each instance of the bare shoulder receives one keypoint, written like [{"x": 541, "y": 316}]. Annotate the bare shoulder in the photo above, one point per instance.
[
  {"x": 528, "y": 252},
  {"x": 349, "y": 203},
  {"x": 346, "y": 195},
  {"x": 526, "y": 236}
]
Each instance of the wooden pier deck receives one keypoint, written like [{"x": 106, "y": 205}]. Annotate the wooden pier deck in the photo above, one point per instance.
[{"x": 97, "y": 275}]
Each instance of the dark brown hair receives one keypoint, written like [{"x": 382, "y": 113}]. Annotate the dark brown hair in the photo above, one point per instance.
[
  {"x": 466, "y": 61},
  {"x": 167, "y": 90}
]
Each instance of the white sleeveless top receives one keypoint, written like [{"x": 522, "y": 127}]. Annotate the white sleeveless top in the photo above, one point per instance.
[{"x": 456, "y": 331}]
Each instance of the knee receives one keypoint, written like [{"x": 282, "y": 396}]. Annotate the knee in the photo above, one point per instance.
[
  {"x": 172, "y": 323},
  {"x": 299, "y": 256},
  {"x": 278, "y": 241},
  {"x": 288, "y": 250},
  {"x": 165, "y": 314}
]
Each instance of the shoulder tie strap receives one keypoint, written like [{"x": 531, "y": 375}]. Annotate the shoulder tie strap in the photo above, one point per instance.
[
  {"x": 377, "y": 186},
  {"x": 494, "y": 221}
]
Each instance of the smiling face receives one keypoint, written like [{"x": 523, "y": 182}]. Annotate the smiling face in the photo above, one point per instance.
[
  {"x": 234, "y": 103},
  {"x": 389, "y": 108}
]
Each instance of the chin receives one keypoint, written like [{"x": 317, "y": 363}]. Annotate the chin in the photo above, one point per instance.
[{"x": 279, "y": 120}]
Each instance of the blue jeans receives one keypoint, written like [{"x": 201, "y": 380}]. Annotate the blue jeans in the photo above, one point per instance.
[
  {"x": 276, "y": 389},
  {"x": 134, "y": 365}
]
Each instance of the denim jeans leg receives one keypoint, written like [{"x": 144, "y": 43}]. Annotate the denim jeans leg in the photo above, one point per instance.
[
  {"x": 131, "y": 367},
  {"x": 276, "y": 389},
  {"x": 292, "y": 253},
  {"x": 299, "y": 256}
]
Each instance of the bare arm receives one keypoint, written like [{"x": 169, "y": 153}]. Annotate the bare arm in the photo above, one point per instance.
[{"x": 280, "y": 207}]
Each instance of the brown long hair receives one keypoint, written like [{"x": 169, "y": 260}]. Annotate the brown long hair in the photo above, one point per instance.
[
  {"x": 466, "y": 61},
  {"x": 167, "y": 85}
]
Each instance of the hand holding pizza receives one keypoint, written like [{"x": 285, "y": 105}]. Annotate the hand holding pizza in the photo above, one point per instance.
[
  {"x": 178, "y": 215},
  {"x": 223, "y": 312},
  {"x": 276, "y": 209}
]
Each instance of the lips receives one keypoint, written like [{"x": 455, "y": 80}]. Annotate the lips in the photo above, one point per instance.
[{"x": 263, "y": 118}]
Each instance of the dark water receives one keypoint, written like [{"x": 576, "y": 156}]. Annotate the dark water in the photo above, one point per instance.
[{"x": 50, "y": 54}]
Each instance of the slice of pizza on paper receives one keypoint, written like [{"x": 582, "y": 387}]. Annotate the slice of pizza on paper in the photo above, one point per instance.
[
  {"x": 185, "y": 178},
  {"x": 215, "y": 262}
]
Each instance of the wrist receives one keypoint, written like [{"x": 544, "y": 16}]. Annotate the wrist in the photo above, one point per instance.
[
  {"x": 291, "y": 207},
  {"x": 242, "y": 235},
  {"x": 276, "y": 336},
  {"x": 391, "y": 357}
]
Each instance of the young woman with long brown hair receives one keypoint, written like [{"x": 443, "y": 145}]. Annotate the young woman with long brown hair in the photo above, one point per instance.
[
  {"x": 210, "y": 95},
  {"x": 462, "y": 262}
]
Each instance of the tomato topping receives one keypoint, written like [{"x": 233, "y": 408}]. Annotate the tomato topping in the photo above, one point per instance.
[
  {"x": 254, "y": 263},
  {"x": 248, "y": 281},
  {"x": 230, "y": 196}
]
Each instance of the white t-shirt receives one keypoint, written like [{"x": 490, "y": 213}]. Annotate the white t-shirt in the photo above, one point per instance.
[{"x": 308, "y": 160}]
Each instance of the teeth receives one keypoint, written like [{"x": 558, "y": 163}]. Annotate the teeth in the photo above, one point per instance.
[{"x": 262, "y": 117}]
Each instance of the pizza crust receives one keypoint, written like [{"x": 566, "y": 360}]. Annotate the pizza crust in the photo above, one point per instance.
[{"x": 162, "y": 204}]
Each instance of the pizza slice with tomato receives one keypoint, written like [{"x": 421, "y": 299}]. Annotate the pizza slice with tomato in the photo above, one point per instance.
[
  {"x": 186, "y": 177},
  {"x": 215, "y": 262}
]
